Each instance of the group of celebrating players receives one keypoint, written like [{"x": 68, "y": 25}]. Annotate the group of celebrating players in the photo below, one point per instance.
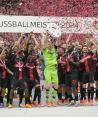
[{"x": 70, "y": 71}]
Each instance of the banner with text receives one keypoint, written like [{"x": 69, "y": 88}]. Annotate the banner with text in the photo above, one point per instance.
[{"x": 39, "y": 24}]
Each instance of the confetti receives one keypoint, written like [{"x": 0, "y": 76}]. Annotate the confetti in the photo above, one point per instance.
[
  {"x": 50, "y": 7},
  {"x": 67, "y": 8},
  {"x": 54, "y": 30}
]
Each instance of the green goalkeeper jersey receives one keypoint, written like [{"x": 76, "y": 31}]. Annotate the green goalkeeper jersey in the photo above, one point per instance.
[{"x": 50, "y": 57}]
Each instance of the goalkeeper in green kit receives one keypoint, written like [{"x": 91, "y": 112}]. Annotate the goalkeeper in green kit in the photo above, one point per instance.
[{"x": 50, "y": 71}]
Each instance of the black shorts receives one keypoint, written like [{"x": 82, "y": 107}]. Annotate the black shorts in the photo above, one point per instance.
[
  {"x": 88, "y": 77},
  {"x": 96, "y": 74},
  {"x": 31, "y": 83},
  {"x": 80, "y": 74},
  {"x": 17, "y": 84},
  {"x": 71, "y": 79},
  {"x": 9, "y": 81},
  {"x": 3, "y": 83},
  {"x": 61, "y": 78}
]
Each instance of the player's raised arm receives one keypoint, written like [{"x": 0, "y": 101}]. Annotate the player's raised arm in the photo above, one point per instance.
[
  {"x": 33, "y": 36},
  {"x": 68, "y": 38},
  {"x": 44, "y": 40},
  {"x": 18, "y": 42}
]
